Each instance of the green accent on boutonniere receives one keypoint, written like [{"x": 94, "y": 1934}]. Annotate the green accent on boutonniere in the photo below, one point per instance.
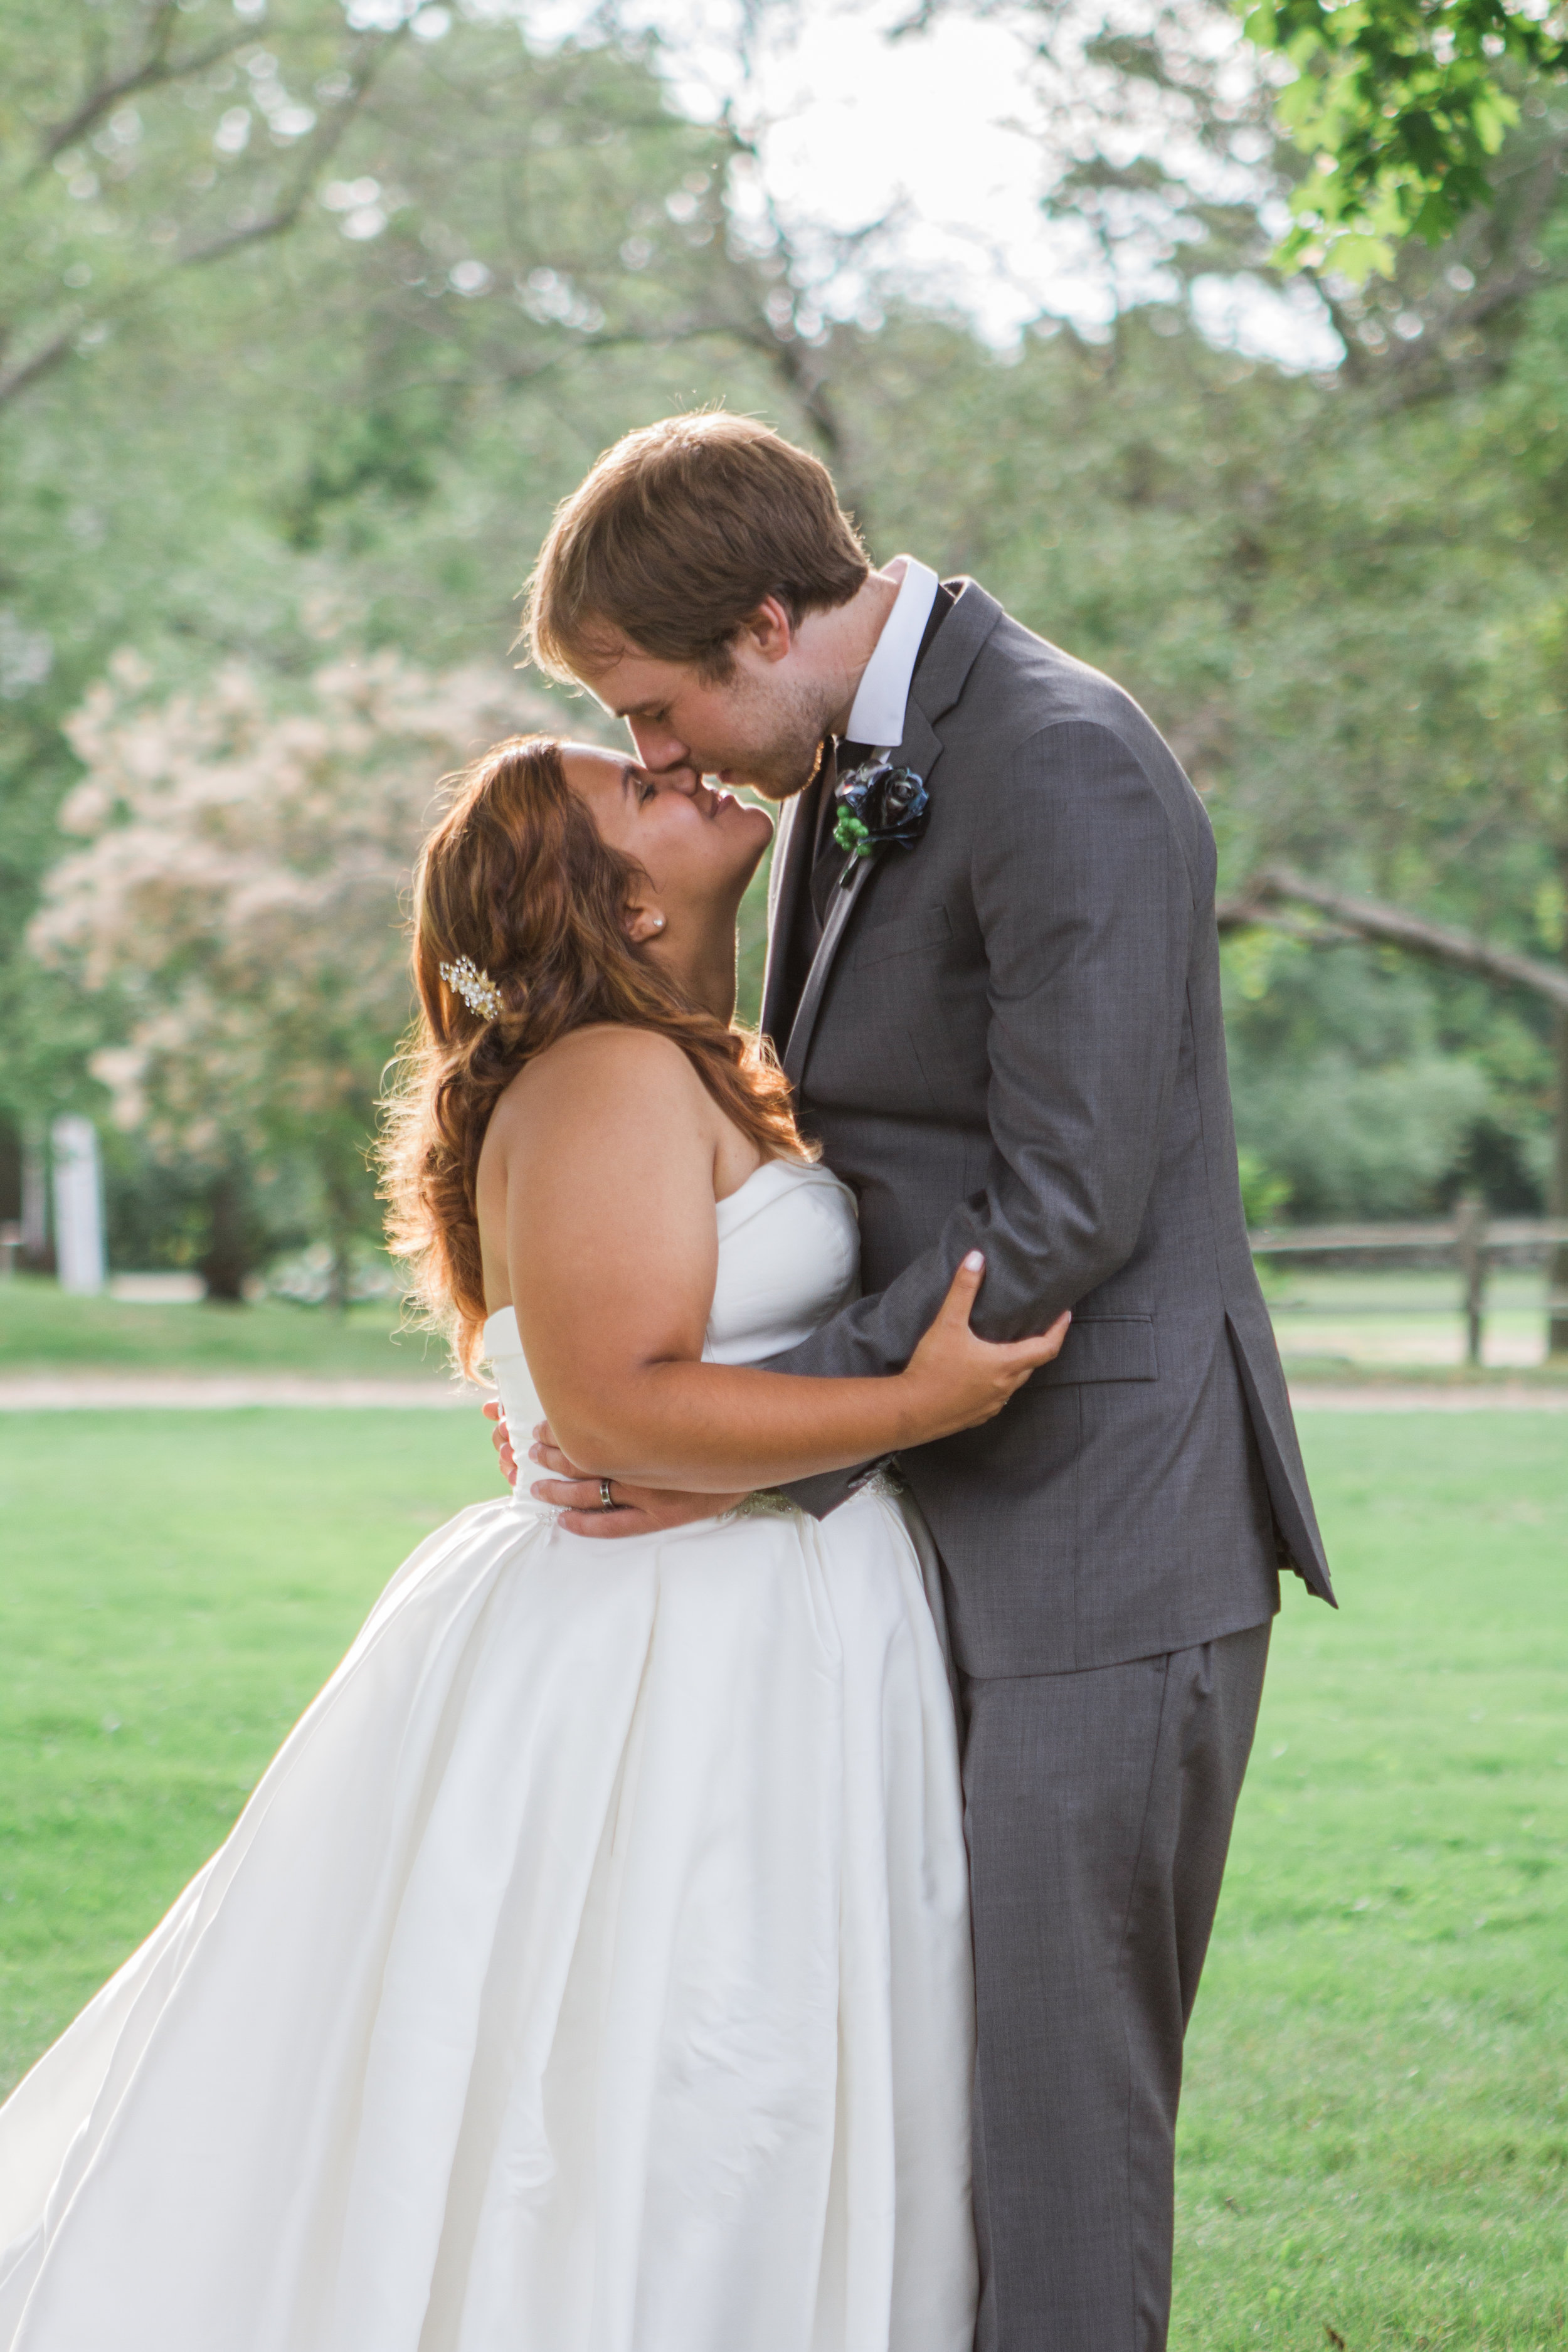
[{"x": 851, "y": 835}]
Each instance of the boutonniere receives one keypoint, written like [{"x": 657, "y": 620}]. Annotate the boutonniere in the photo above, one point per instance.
[{"x": 878, "y": 803}]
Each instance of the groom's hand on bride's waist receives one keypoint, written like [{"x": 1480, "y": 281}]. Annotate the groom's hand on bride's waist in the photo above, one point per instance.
[{"x": 631, "y": 1511}]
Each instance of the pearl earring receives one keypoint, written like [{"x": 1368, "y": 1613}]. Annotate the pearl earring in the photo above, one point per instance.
[{"x": 658, "y": 922}]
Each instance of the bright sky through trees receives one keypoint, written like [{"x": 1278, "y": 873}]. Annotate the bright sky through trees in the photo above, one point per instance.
[{"x": 947, "y": 136}]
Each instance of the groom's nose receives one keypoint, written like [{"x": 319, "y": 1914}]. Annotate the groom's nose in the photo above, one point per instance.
[{"x": 659, "y": 748}]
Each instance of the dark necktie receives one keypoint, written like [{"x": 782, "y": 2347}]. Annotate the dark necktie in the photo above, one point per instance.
[{"x": 827, "y": 860}]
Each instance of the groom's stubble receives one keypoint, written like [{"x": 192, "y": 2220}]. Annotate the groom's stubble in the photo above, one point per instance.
[
  {"x": 787, "y": 727},
  {"x": 764, "y": 729}
]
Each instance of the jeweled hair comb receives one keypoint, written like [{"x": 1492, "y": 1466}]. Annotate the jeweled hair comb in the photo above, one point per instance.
[{"x": 477, "y": 989}]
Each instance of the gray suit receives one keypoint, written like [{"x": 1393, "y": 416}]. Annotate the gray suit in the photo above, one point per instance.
[{"x": 1010, "y": 1036}]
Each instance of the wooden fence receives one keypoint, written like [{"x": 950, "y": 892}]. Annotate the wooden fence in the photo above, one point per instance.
[{"x": 1468, "y": 1236}]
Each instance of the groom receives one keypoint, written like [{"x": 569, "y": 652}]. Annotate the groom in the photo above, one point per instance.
[{"x": 1005, "y": 1030}]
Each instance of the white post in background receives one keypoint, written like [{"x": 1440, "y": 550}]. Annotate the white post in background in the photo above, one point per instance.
[{"x": 78, "y": 1205}]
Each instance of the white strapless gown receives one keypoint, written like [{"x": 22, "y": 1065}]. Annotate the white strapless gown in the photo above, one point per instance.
[{"x": 589, "y": 1973}]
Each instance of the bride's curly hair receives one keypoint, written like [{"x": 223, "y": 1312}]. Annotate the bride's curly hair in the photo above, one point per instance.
[{"x": 516, "y": 877}]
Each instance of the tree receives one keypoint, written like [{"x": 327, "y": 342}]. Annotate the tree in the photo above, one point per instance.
[
  {"x": 1340, "y": 599},
  {"x": 240, "y": 891},
  {"x": 1339, "y": 594},
  {"x": 1341, "y": 141},
  {"x": 274, "y": 384},
  {"x": 146, "y": 138},
  {"x": 1266, "y": 901}
]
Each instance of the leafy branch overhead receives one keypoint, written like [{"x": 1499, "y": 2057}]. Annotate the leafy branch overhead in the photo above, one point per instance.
[{"x": 1399, "y": 106}]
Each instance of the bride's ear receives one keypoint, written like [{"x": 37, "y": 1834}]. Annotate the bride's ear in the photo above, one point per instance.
[{"x": 643, "y": 923}]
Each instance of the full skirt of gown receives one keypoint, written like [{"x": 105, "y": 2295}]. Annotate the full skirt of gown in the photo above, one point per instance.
[{"x": 590, "y": 1972}]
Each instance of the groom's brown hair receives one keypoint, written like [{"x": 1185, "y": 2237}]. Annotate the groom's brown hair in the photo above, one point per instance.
[{"x": 677, "y": 534}]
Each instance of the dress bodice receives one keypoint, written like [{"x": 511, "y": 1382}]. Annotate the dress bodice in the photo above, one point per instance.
[{"x": 789, "y": 1257}]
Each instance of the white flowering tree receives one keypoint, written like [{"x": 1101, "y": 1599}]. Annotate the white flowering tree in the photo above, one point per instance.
[{"x": 241, "y": 891}]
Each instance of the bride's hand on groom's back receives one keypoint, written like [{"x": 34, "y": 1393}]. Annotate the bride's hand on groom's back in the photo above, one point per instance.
[
  {"x": 632, "y": 1510},
  {"x": 958, "y": 1381},
  {"x": 501, "y": 1438}
]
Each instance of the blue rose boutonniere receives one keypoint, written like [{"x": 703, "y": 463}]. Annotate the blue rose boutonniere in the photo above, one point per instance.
[{"x": 878, "y": 803}]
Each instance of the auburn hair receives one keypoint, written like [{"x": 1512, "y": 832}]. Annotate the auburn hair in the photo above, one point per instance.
[
  {"x": 677, "y": 534},
  {"x": 516, "y": 876}
]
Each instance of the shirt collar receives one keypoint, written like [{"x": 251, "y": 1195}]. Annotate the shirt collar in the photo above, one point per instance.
[{"x": 882, "y": 699}]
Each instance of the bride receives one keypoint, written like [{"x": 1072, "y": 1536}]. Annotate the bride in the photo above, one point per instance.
[{"x": 589, "y": 1972}]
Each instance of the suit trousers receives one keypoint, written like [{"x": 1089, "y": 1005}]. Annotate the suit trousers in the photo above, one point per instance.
[{"x": 1099, "y": 1806}]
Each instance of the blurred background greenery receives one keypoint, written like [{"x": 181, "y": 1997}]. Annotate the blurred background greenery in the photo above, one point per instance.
[{"x": 307, "y": 317}]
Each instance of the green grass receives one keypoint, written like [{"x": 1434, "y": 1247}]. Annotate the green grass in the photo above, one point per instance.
[
  {"x": 43, "y": 1329},
  {"x": 174, "y": 1588},
  {"x": 1374, "y": 2137},
  {"x": 1400, "y": 1322},
  {"x": 1376, "y": 2131},
  {"x": 1390, "y": 1324}
]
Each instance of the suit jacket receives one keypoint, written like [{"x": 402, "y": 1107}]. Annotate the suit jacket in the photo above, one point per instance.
[{"x": 1011, "y": 1037}]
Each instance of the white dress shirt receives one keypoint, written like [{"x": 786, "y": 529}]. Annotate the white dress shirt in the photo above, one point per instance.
[{"x": 878, "y": 714}]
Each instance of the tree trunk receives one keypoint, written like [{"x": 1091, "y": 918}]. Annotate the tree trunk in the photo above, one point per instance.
[
  {"x": 1557, "y": 1303},
  {"x": 37, "y": 1252},
  {"x": 229, "y": 1256},
  {"x": 344, "y": 1210}
]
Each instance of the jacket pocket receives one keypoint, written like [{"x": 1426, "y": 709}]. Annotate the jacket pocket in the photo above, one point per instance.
[
  {"x": 1104, "y": 1347},
  {"x": 905, "y": 936}
]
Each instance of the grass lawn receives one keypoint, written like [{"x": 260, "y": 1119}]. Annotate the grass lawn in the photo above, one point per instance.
[
  {"x": 1376, "y": 2133},
  {"x": 1385, "y": 1324},
  {"x": 1397, "y": 1320},
  {"x": 44, "y": 1330},
  {"x": 1374, "y": 2137}
]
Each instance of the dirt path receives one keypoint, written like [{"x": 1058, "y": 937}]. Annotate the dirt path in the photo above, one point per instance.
[
  {"x": 222, "y": 1392},
  {"x": 229, "y": 1392}
]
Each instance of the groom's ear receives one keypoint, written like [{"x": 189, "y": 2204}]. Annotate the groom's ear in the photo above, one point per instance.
[{"x": 769, "y": 631}]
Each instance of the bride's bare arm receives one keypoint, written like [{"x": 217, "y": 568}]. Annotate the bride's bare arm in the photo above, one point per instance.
[{"x": 608, "y": 1146}]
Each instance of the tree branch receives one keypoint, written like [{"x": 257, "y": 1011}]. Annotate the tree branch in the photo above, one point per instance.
[
  {"x": 1248, "y": 915},
  {"x": 1369, "y": 919},
  {"x": 155, "y": 68},
  {"x": 314, "y": 158},
  {"x": 49, "y": 355},
  {"x": 317, "y": 153}
]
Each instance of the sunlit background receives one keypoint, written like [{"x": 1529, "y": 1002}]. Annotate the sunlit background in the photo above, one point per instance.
[
  {"x": 1235, "y": 374},
  {"x": 311, "y": 314}
]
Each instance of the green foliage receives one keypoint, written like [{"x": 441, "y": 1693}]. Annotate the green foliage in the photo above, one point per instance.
[
  {"x": 1345, "y": 1090},
  {"x": 349, "y": 431},
  {"x": 1265, "y": 1196},
  {"x": 1340, "y": 597},
  {"x": 1400, "y": 107},
  {"x": 353, "y": 426},
  {"x": 1346, "y": 614},
  {"x": 44, "y": 1332}
]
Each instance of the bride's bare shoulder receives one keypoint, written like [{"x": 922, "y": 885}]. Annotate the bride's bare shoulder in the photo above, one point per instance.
[{"x": 610, "y": 1072}]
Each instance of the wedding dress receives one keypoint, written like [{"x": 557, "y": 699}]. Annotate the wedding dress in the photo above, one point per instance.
[{"x": 588, "y": 1973}]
